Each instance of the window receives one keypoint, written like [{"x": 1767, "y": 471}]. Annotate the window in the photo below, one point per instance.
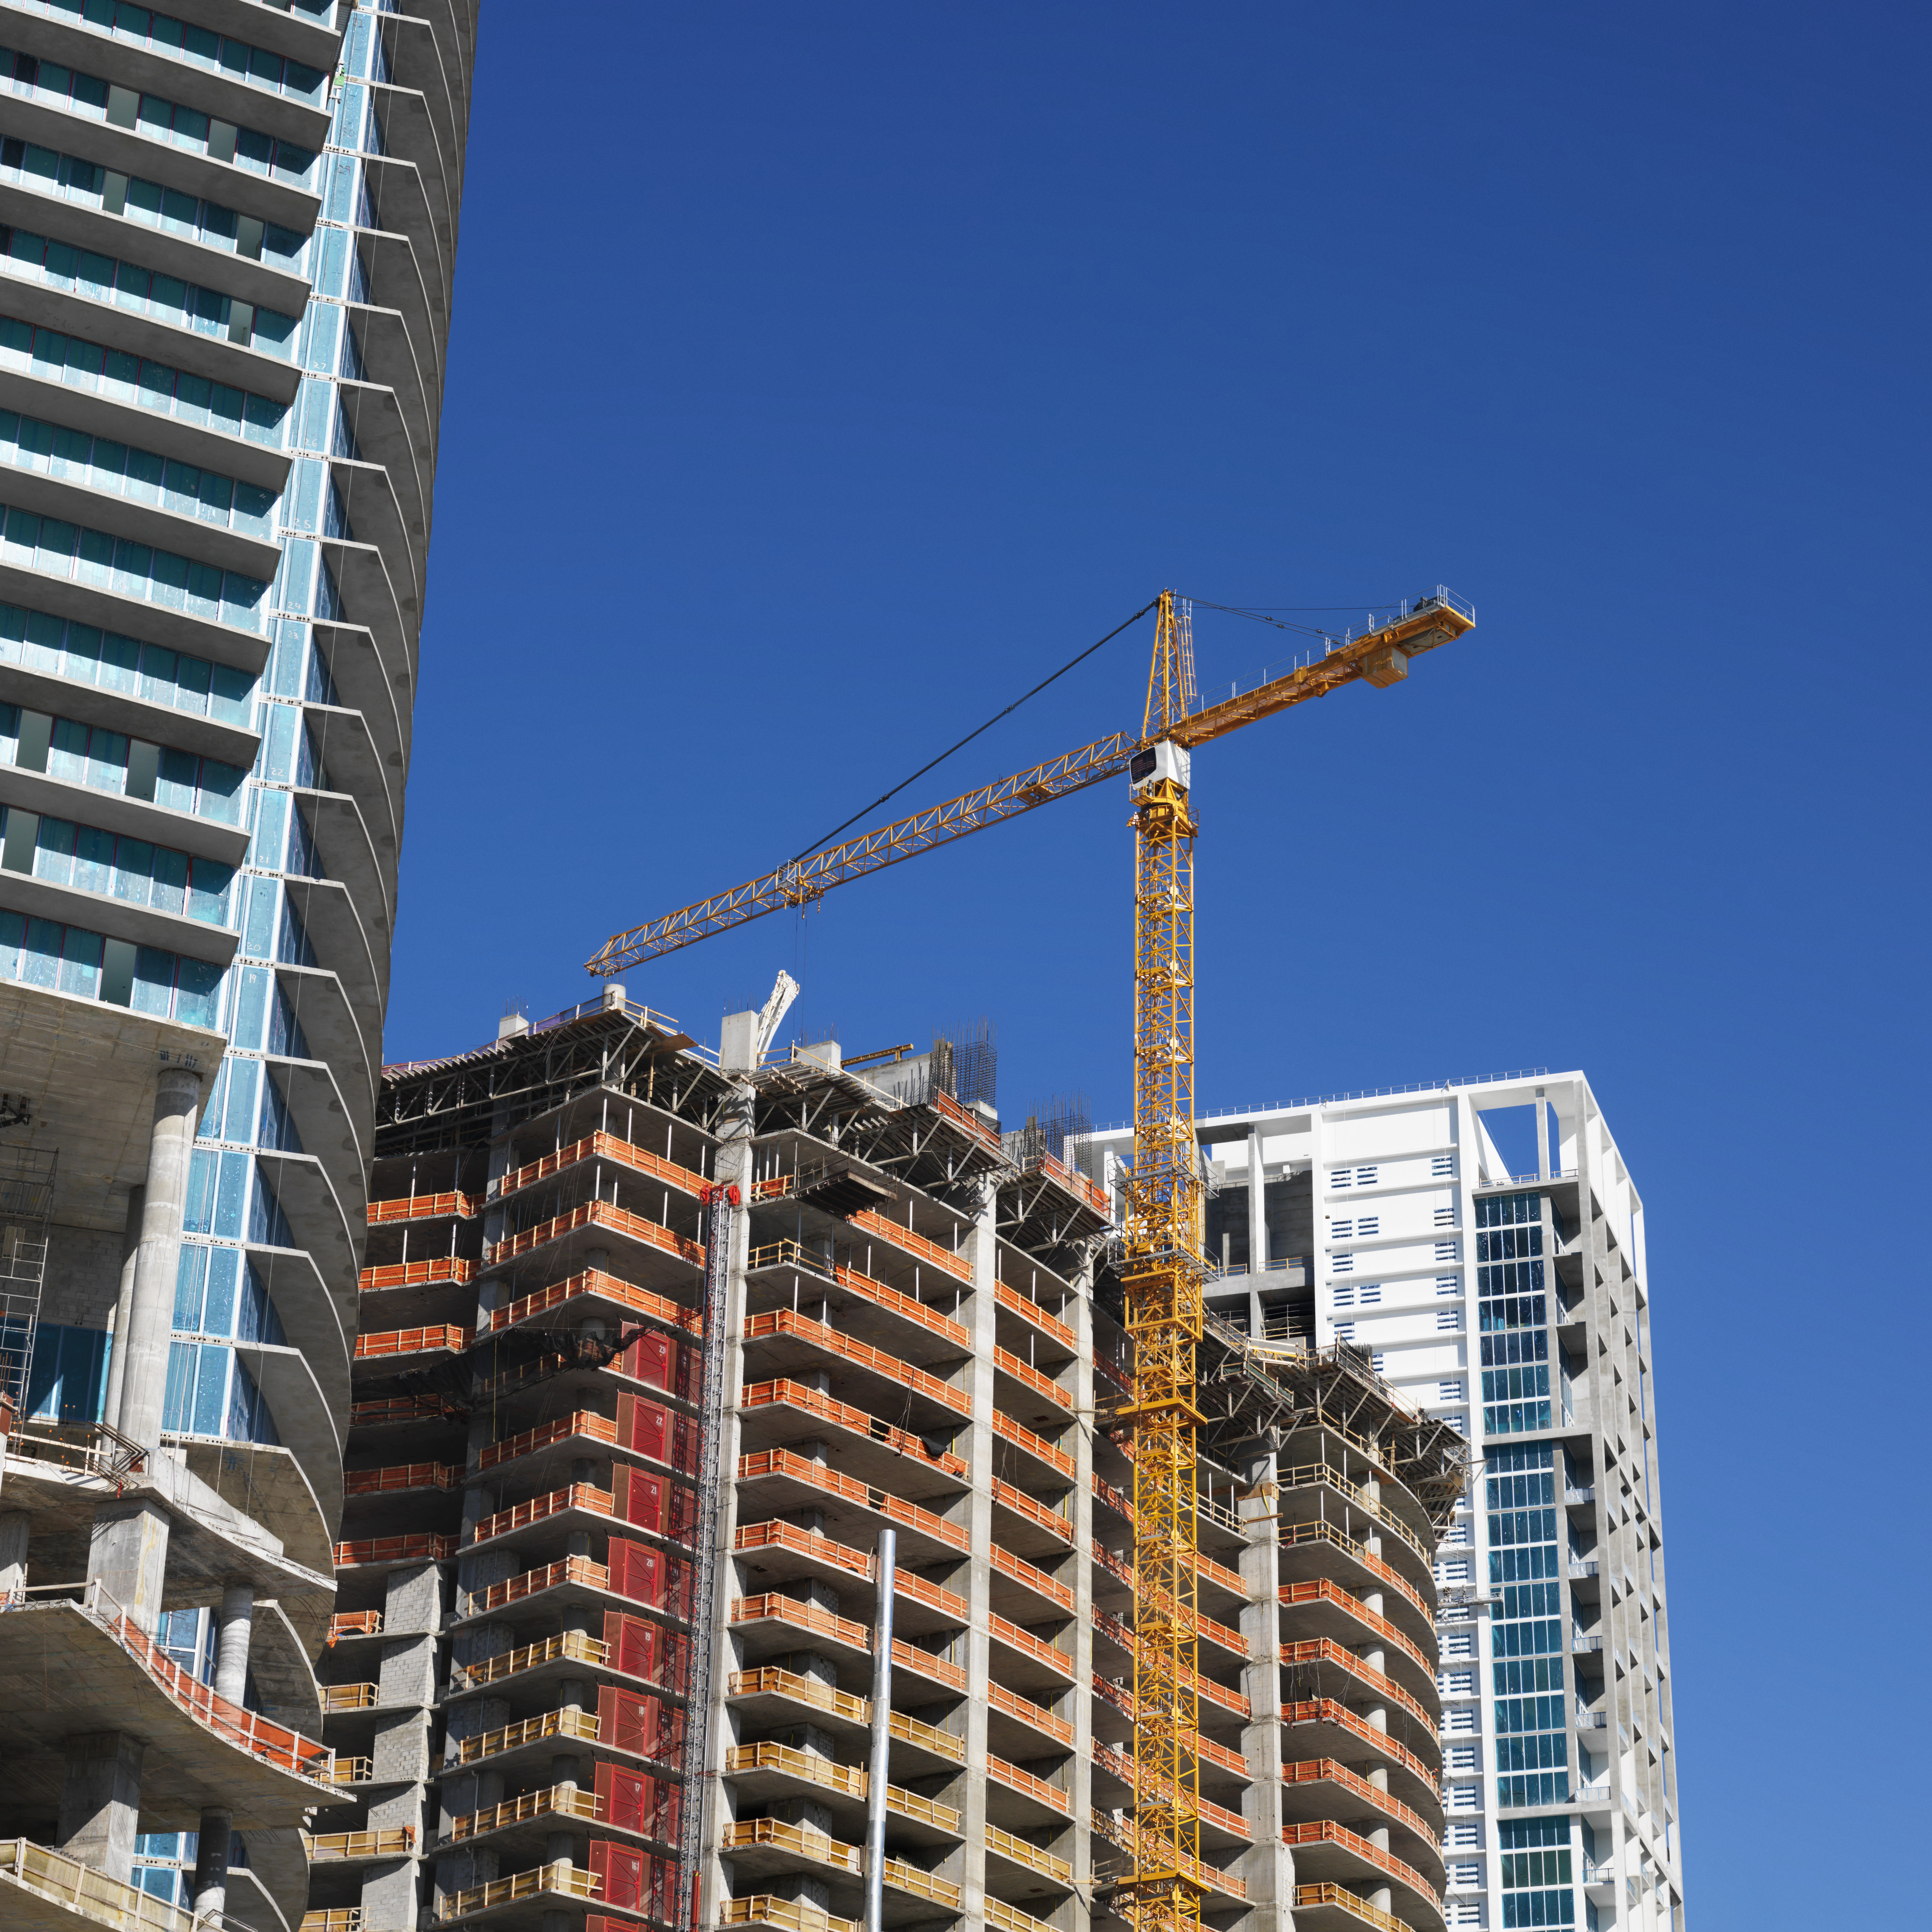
[
  {"x": 1341, "y": 1264},
  {"x": 1365, "y": 1177},
  {"x": 1453, "y": 1571},
  {"x": 1449, "y": 1391},
  {"x": 1448, "y": 1319},
  {"x": 1459, "y": 1643},
  {"x": 1345, "y": 1331},
  {"x": 1464, "y": 1912},
  {"x": 1456, "y": 1683},
  {"x": 1465, "y": 1835},
  {"x": 1445, "y": 1251},
  {"x": 1467, "y": 1872},
  {"x": 1343, "y": 1177},
  {"x": 1340, "y": 1230},
  {"x": 1465, "y": 1797},
  {"x": 1445, "y": 1217},
  {"x": 1369, "y": 1292},
  {"x": 1460, "y": 1757},
  {"x": 1377, "y": 1360},
  {"x": 1345, "y": 1298},
  {"x": 1460, "y": 1718},
  {"x": 1448, "y": 1284},
  {"x": 1536, "y": 1869},
  {"x": 1510, "y": 1211},
  {"x": 1442, "y": 1167},
  {"x": 1367, "y": 1225}
]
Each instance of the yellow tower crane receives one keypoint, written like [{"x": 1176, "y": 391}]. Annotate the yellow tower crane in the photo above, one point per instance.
[{"x": 1164, "y": 1268}]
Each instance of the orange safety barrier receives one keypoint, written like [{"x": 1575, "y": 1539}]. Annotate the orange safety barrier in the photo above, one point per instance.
[
  {"x": 1035, "y": 1511},
  {"x": 402, "y": 1408},
  {"x": 788, "y": 1536},
  {"x": 355, "y": 1623},
  {"x": 1121, "y": 1831},
  {"x": 1205, "y": 1566},
  {"x": 944, "y": 1259},
  {"x": 401, "y": 1476},
  {"x": 1326, "y": 1831},
  {"x": 785, "y": 1321},
  {"x": 271, "y": 1744},
  {"x": 412, "y": 1341},
  {"x": 795, "y": 1395},
  {"x": 418, "y": 1274},
  {"x": 1293, "y": 1533},
  {"x": 1122, "y": 1767},
  {"x": 1021, "y": 1437},
  {"x": 593, "y": 1281},
  {"x": 1326, "y": 1711},
  {"x": 519, "y": 1516},
  {"x": 818, "y": 1475},
  {"x": 425, "y": 1547},
  {"x": 1028, "y": 1645},
  {"x": 1112, "y": 1626},
  {"x": 604, "y": 1146},
  {"x": 1114, "y": 1498},
  {"x": 905, "y": 1584},
  {"x": 1122, "y": 1698},
  {"x": 599, "y": 1214},
  {"x": 1028, "y": 1712},
  {"x": 789, "y": 1254},
  {"x": 582, "y": 1422},
  {"x": 1117, "y": 1566},
  {"x": 1074, "y": 1182},
  {"x": 1011, "y": 1775},
  {"x": 424, "y": 1207},
  {"x": 943, "y": 1102},
  {"x": 1035, "y": 1579},
  {"x": 778, "y": 1608},
  {"x": 910, "y": 1656},
  {"x": 1320, "y": 1591},
  {"x": 1028, "y": 1309},
  {"x": 1326, "y": 1771},
  {"x": 1325, "y": 1650},
  {"x": 1032, "y": 1377},
  {"x": 552, "y": 1576}
]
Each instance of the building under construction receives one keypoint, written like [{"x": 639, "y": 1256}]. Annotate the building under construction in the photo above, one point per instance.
[{"x": 739, "y": 1526}]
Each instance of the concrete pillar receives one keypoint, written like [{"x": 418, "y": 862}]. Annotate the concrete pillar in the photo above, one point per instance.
[
  {"x": 1382, "y": 1897},
  {"x": 15, "y": 1527},
  {"x": 101, "y": 1801},
  {"x": 151, "y": 1303},
  {"x": 127, "y": 1556},
  {"x": 1257, "y": 1233},
  {"x": 1269, "y": 1867},
  {"x": 980, "y": 1316},
  {"x": 1079, "y": 1314},
  {"x": 235, "y": 1622},
  {"x": 211, "y": 1862},
  {"x": 123, "y": 1304}
]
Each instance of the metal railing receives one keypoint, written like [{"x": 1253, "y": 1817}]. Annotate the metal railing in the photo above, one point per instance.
[
  {"x": 562, "y": 1876},
  {"x": 93, "y": 1447},
  {"x": 79, "y": 1889}
]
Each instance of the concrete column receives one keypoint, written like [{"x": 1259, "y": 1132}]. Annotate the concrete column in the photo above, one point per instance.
[
  {"x": 1257, "y": 1233},
  {"x": 101, "y": 1801},
  {"x": 731, "y": 1165},
  {"x": 1079, "y": 1315},
  {"x": 1382, "y": 1897},
  {"x": 151, "y": 1304},
  {"x": 130, "y": 1246},
  {"x": 211, "y": 1863},
  {"x": 1269, "y": 1867},
  {"x": 127, "y": 1556},
  {"x": 980, "y": 1318},
  {"x": 235, "y": 1625},
  {"x": 15, "y": 1527}
]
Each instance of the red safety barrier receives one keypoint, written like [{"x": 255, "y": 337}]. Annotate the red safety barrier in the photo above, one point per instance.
[{"x": 634, "y": 1800}]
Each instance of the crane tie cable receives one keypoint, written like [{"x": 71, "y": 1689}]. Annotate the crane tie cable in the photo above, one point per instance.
[{"x": 818, "y": 845}]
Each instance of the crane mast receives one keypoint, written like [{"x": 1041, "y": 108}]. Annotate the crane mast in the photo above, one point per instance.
[{"x": 1162, "y": 1278}]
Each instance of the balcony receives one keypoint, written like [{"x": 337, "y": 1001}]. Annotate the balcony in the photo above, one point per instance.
[
  {"x": 770, "y": 1770},
  {"x": 799, "y": 1482},
  {"x": 401, "y": 1476},
  {"x": 594, "y": 1219},
  {"x": 592, "y": 1285},
  {"x": 573, "y": 1500},
  {"x": 94, "y": 1669},
  {"x": 567, "y": 1722},
  {"x": 1327, "y": 1852},
  {"x": 600, "y": 1146},
  {"x": 1319, "y": 1787},
  {"x": 559, "y": 1801},
  {"x": 582, "y": 1427},
  {"x": 1224, "y": 1828},
  {"x": 807, "y": 1552},
  {"x": 1003, "y": 1846},
  {"x": 560, "y": 1880},
  {"x": 390, "y": 1552},
  {"x": 1037, "y": 1446},
  {"x": 1325, "y": 1650},
  {"x": 1327, "y": 1609},
  {"x": 1030, "y": 1311},
  {"x": 1303, "y": 1546},
  {"x": 872, "y": 1446},
  {"x": 1354, "y": 1736},
  {"x": 567, "y": 1647},
  {"x": 340, "y": 1848},
  {"x": 1035, "y": 1663},
  {"x": 43, "y": 1890},
  {"x": 786, "y": 1915},
  {"x": 424, "y": 1208},
  {"x": 916, "y": 1331},
  {"x": 827, "y": 1626},
  {"x": 453, "y": 1269},
  {"x": 779, "y": 1327},
  {"x": 441, "y": 1339},
  {"x": 772, "y": 1696}
]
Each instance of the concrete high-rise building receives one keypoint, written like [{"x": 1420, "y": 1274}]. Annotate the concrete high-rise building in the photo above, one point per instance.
[
  {"x": 921, "y": 1365},
  {"x": 227, "y": 240},
  {"x": 1506, "y": 1293}
]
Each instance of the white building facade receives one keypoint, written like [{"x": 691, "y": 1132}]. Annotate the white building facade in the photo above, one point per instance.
[{"x": 1484, "y": 1243}]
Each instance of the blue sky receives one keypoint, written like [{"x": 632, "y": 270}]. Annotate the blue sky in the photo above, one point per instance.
[{"x": 822, "y": 376}]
